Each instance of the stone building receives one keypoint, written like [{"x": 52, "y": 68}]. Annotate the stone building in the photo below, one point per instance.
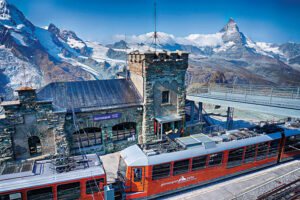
[{"x": 98, "y": 116}]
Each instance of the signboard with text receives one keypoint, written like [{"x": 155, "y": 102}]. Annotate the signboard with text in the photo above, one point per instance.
[{"x": 106, "y": 116}]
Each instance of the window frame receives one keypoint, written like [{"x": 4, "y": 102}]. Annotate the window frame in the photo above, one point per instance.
[
  {"x": 137, "y": 178},
  {"x": 180, "y": 171},
  {"x": 8, "y": 195},
  {"x": 155, "y": 176},
  {"x": 49, "y": 187},
  {"x": 271, "y": 152},
  {"x": 252, "y": 158},
  {"x": 63, "y": 197},
  {"x": 262, "y": 155},
  {"x": 122, "y": 131},
  {"x": 163, "y": 93},
  {"x": 213, "y": 165},
  {"x": 98, "y": 181},
  {"x": 234, "y": 163},
  {"x": 87, "y": 137},
  {"x": 198, "y": 168}
]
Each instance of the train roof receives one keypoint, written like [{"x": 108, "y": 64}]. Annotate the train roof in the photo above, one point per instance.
[
  {"x": 25, "y": 175},
  {"x": 197, "y": 145}
]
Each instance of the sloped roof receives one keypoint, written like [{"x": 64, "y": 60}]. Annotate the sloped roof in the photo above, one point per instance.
[{"x": 90, "y": 95}]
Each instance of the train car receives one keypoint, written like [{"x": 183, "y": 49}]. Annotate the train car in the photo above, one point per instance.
[
  {"x": 79, "y": 177},
  {"x": 291, "y": 144},
  {"x": 152, "y": 170}
]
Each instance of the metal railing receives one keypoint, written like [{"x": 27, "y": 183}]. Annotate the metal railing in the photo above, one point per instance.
[
  {"x": 282, "y": 96},
  {"x": 263, "y": 90}
]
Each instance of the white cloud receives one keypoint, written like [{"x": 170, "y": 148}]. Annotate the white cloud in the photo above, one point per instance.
[{"x": 198, "y": 40}]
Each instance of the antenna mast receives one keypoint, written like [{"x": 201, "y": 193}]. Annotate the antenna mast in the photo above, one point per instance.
[
  {"x": 155, "y": 33},
  {"x": 126, "y": 60}
]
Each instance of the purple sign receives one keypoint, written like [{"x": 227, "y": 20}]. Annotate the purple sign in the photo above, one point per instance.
[{"x": 107, "y": 116}]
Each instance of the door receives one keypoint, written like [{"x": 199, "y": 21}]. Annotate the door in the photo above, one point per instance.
[{"x": 137, "y": 179}]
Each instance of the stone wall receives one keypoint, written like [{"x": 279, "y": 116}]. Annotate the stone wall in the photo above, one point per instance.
[
  {"x": 85, "y": 120},
  {"x": 160, "y": 71},
  {"x": 29, "y": 117}
]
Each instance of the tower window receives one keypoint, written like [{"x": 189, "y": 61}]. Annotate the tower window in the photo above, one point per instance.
[{"x": 165, "y": 97}]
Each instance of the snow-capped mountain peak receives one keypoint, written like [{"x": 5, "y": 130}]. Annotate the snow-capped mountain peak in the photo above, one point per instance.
[
  {"x": 12, "y": 18},
  {"x": 230, "y": 27}
]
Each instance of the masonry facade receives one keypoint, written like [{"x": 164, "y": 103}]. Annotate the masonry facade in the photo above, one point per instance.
[{"x": 98, "y": 116}]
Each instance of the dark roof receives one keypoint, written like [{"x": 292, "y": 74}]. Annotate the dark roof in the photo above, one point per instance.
[{"x": 90, "y": 95}]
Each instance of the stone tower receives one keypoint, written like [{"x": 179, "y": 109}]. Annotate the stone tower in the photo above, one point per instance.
[{"x": 159, "y": 77}]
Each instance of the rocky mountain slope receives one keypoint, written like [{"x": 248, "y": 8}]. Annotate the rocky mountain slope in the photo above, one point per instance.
[{"x": 34, "y": 56}]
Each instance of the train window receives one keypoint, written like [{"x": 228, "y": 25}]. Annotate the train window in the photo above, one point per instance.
[
  {"x": 297, "y": 144},
  {"x": 250, "y": 154},
  {"x": 94, "y": 186},
  {"x": 122, "y": 169},
  {"x": 199, "y": 163},
  {"x": 215, "y": 159},
  {"x": 41, "y": 193},
  {"x": 181, "y": 167},
  {"x": 273, "y": 149},
  {"x": 161, "y": 171},
  {"x": 262, "y": 150},
  {"x": 291, "y": 143},
  {"x": 137, "y": 174},
  {"x": 12, "y": 196},
  {"x": 69, "y": 191},
  {"x": 235, "y": 157}
]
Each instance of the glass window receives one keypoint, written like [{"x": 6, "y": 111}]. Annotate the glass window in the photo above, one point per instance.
[
  {"x": 273, "y": 149},
  {"x": 12, "y": 196},
  {"x": 137, "y": 174},
  {"x": 250, "y": 154},
  {"x": 123, "y": 131},
  {"x": 262, "y": 150},
  {"x": 199, "y": 163},
  {"x": 181, "y": 167},
  {"x": 122, "y": 169},
  {"x": 215, "y": 159},
  {"x": 94, "y": 186},
  {"x": 87, "y": 137},
  {"x": 69, "y": 191},
  {"x": 292, "y": 143},
  {"x": 165, "y": 97},
  {"x": 41, "y": 193},
  {"x": 235, "y": 157},
  {"x": 161, "y": 171}
]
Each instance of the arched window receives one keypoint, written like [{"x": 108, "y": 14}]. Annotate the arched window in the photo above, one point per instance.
[
  {"x": 87, "y": 137},
  {"x": 123, "y": 131},
  {"x": 35, "y": 146}
]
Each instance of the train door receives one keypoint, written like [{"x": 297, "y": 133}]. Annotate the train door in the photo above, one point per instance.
[{"x": 137, "y": 179}]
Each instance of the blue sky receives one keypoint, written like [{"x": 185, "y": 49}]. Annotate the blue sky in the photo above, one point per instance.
[{"x": 276, "y": 21}]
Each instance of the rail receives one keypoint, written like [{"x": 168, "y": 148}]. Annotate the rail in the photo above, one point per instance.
[{"x": 258, "y": 191}]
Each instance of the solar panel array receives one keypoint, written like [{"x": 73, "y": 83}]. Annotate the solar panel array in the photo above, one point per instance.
[{"x": 11, "y": 168}]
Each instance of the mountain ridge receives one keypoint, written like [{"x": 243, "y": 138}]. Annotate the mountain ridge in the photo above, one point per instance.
[{"x": 52, "y": 54}]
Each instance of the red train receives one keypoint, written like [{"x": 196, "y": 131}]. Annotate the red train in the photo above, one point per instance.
[
  {"x": 156, "y": 169},
  {"x": 70, "y": 178}
]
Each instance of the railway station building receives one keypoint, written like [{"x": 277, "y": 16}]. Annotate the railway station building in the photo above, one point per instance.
[{"x": 98, "y": 116}]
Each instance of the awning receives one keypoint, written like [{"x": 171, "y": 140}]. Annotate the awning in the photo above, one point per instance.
[{"x": 168, "y": 118}]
